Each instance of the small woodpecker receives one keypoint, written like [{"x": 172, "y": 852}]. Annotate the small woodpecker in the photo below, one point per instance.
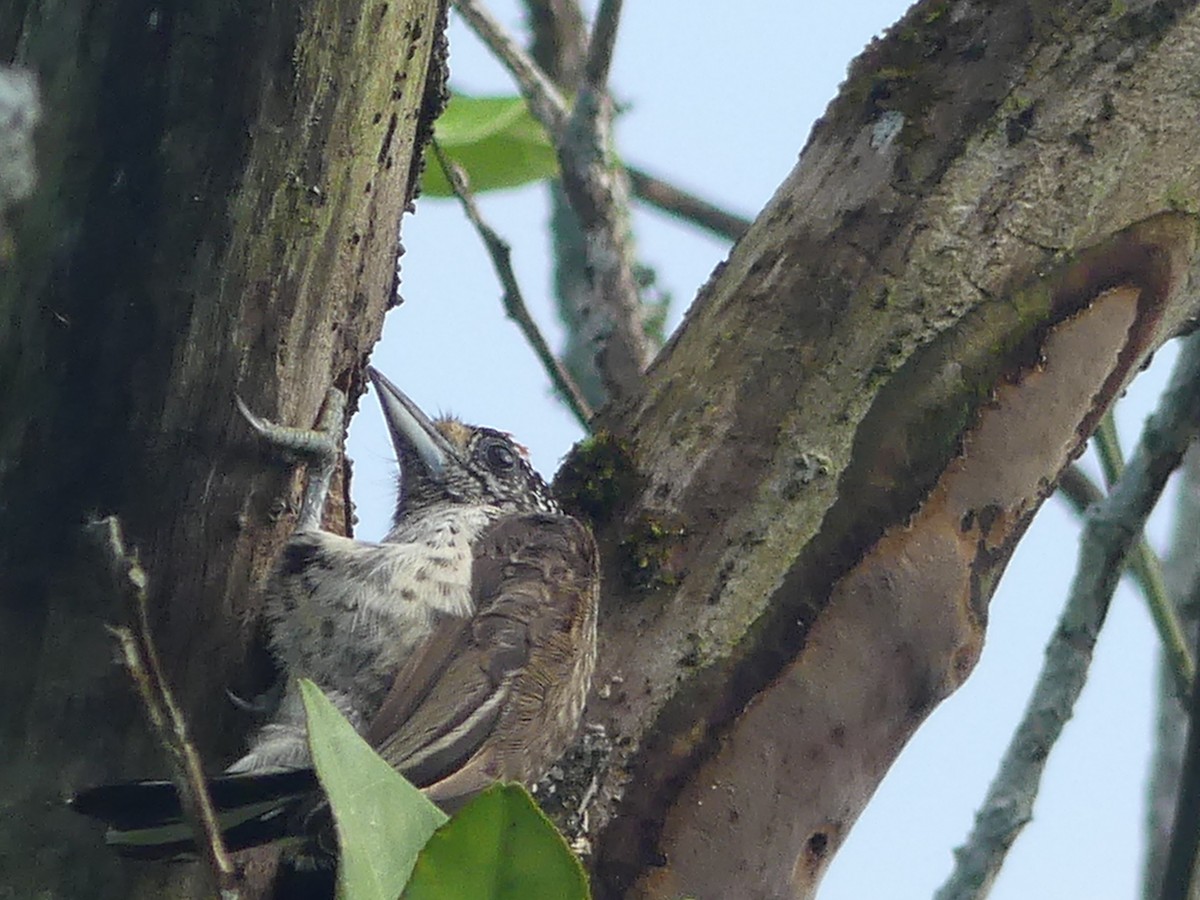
[{"x": 461, "y": 646}]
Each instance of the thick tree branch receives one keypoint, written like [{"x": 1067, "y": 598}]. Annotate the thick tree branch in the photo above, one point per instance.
[{"x": 866, "y": 405}]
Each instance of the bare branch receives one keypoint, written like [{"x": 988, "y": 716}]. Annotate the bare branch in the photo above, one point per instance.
[
  {"x": 602, "y": 44},
  {"x": 558, "y": 43},
  {"x": 679, "y": 203},
  {"x": 1182, "y": 572},
  {"x": 1180, "y": 874},
  {"x": 1146, "y": 569},
  {"x": 1111, "y": 530},
  {"x": 141, "y": 659},
  {"x": 595, "y": 191},
  {"x": 544, "y": 99},
  {"x": 1078, "y": 489},
  {"x": 514, "y": 303},
  {"x": 558, "y": 39}
]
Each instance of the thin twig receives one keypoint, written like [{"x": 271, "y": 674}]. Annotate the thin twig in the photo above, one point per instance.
[
  {"x": 557, "y": 39},
  {"x": 594, "y": 189},
  {"x": 1181, "y": 569},
  {"x": 1178, "y": 857},
  {"x": 141, "y": 659},
  {"x": 677, "y": 202},
  {"x": 558, "y": 43},
  {"x": 1078, "y": 489},
  {"x": 544, "y": 99},
  {"x": 1110, "y": 531},
  {"x": 1180, "y": 875},
  {"x": 602, "y": 43},
  {"x": 514, "y": 303},
  {"x": 1146, "y": 569},
  {"x": 1108, "y": 449}
]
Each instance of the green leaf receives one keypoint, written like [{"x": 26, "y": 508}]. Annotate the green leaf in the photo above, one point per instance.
[
  {"x": 496, "y": 140},
  {"x": 382, "y": 820},
  {"x": 499, "y": 846}
]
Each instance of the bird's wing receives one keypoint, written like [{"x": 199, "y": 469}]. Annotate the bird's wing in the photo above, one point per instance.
[{"x": 534, "y": 582}]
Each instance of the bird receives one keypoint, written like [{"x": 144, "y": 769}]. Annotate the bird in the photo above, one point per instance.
[{"x": 461, "y": 646}]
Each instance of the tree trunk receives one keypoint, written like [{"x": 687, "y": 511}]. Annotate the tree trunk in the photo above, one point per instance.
[
  {"x": 987, "y": 235},
  {"x": 217, "y": 212}
]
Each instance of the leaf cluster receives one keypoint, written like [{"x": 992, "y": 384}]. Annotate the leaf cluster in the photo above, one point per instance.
[{"x": 396, "y": 843}]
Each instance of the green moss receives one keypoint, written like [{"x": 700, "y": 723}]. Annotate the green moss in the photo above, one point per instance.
[
  {"x": 935, "y": 12},
  {"x": 647, "y": 558},
  {"x": 1180, "y": 198},
  {"x": 597, "y": 478},
  {"x": 1015, "y": 104},
  {"x": 890, "y": 74}
]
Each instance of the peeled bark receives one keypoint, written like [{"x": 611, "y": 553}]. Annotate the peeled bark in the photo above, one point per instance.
[
  {"x": 219, "y": 197},
  {"x": 989, "y": 232}
]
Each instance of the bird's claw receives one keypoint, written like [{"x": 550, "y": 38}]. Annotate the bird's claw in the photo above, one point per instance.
[
  {"x": 318, "y": 447},
  {"x": 262, "y": 705}
]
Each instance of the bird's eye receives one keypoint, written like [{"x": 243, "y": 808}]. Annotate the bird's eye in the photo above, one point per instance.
[{"x": 500, "y": 457}]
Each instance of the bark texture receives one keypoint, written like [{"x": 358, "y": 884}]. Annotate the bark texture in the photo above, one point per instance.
[
  {"x": 217, "y": 211},
  {"x": 987, "y": 235}
]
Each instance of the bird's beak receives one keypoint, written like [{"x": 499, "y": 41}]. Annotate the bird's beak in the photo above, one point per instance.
[{"x": 413, "y": 433}]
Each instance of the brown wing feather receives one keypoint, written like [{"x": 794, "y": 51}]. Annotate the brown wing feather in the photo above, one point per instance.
[{"x": 499, "y": 695}]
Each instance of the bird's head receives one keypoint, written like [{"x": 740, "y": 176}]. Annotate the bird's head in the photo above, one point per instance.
[{"x": 445, "y": 461}]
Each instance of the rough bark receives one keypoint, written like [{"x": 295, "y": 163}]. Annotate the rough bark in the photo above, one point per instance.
[
  {"x": 217, "y": 211},
  {"x": 989, "y": 232}
]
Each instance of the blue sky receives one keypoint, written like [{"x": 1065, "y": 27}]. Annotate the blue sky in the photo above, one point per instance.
[{"x": 720, "y": 102}]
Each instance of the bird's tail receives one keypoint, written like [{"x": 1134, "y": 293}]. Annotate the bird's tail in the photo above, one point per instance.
[{"x": 145, "y": 818}]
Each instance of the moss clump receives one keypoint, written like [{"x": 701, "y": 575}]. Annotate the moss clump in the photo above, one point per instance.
[
  {"x": 1180, "y": 198},
  {"x": 649, "y": 551},
  {"x": 597, "y": 478}
]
